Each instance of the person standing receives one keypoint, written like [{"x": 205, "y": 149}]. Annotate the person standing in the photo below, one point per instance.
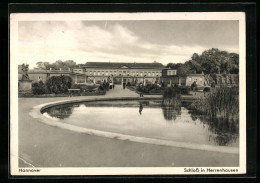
[{"x": 140, "y": 108}]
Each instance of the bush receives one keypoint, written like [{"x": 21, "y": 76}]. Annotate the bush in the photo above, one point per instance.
[
  {"x": 59, "y": 84},
  {"x": 148, "y": 88},
  {"x": 104, "y": 86},
  {"x": 39, "y": 88},
  {"x": 184, "y": 90},
  {"x": 206, "y": 89},
  {"x": 84, "y": 87}
]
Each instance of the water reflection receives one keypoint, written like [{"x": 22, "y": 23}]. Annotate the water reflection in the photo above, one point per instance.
[
  {"x": 187, "y": 124},
  {"x": 171, "y": 112},
  {"x": 171, "y": 109},
  {"x": 62, "y": 112},
  {"x": 145, "y": 103},
  {"x": 222, "y": 131},
  {"x": 140, "y": 108}
]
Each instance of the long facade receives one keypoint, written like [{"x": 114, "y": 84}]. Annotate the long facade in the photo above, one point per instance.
[{"x": 119, "y": 73}]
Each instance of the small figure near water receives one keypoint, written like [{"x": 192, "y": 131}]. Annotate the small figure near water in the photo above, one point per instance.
[
  {"x": 140, "y": 108},
  {"x": 141, "y": 94}
]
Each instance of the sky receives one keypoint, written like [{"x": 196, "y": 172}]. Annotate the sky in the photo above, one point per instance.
[{"x": 163, "y": 41}]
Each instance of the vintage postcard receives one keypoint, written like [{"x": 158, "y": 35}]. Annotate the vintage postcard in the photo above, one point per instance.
[{"x": 127, "y": 93}]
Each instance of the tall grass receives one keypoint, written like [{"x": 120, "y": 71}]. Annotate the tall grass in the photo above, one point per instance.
[
  {"x": 171, "y": 96},
  {"x": 171, "y": 104},
  {"x": 220, "y": 103}
]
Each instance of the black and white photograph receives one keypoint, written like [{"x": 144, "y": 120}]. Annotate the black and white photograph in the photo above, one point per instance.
[{"x": 127, "y": 93}]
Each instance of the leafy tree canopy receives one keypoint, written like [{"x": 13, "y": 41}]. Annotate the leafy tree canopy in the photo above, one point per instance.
[
  {"x": 212, "y": 61},
  {"x": 59, "y": 64}
]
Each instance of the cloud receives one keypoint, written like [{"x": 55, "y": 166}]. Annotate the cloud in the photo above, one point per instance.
[{"x": 74, "y": 40}]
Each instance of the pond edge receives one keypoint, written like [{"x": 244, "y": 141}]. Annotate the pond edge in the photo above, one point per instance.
[{"x": 36, "y": 113}]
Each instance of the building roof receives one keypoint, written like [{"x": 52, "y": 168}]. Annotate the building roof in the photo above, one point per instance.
[
  {"x": 48, "y": 72},
  {"x": 116, "y": 65}
]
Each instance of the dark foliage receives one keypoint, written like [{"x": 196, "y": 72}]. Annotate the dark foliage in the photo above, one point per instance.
[
  {"x": 184, "y": 90},
  {"x": 221, "y": 102},
  {"x": 39, "y": 88},
  {"x": 83, "y": 87},
  {"x": 212, "y": 61},
  {"x": 59, "y": 84},
  {"x": 153, "y": 88},
  {"x": 206, "y": 89}
]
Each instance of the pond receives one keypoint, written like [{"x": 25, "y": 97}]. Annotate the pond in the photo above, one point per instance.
[{"x": 149, "y": 119}]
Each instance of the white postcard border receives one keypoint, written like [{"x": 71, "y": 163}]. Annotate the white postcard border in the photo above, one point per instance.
[{"x": 14, "y": 158}]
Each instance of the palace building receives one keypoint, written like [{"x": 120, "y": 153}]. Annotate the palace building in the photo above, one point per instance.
[{"x": 120, "y": 73}]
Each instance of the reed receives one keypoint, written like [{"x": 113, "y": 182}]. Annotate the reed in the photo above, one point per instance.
[{"x": 222, "y": 102}]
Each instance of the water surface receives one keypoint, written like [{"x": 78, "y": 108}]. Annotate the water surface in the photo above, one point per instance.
[{"x": 148, "y": 119}]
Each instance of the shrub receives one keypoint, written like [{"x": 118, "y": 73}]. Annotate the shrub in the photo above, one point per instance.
[
  {"x": 39, "y": 88},
  {"x": 104, "y": 86},
  {"x": 59, "y": 84},
  {"x": 148, "y": 88},
  {"x": 206, "y": 89},
  {"x": 184, "y": 90},
  {"x": 84, "y": 87}
]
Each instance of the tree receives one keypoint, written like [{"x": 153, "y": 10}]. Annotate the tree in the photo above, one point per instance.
[
  {"x": 184, "y": 69},
  {"x": 234, "y": 63},
  {"x": 59, "y": 84},
  {"x": 59, "y": 64},
  {"x": 195, "y": 57},
  {"x": 43, "y": 65},
  {"x": 194, "y": 66},
  {"x": 212, "y": 61},
  {"x": 173, "y": 65},
  {"x": 39, "y": 88}
]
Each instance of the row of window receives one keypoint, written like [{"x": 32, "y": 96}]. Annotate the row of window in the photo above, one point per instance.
[
  {"x": 195, "y": 79},
  {"x": 124, "y": 73},
  {"x": 173, "y": 72}
]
